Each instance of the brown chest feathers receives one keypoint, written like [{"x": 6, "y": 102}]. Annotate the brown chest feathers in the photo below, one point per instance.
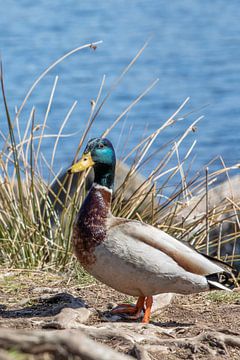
[{"x": 90, "y": 228}]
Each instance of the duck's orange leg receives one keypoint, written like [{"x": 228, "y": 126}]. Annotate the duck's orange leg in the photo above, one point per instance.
[
  {"x": 149, "y": 302},
  {"x": 135, "y": 311}
]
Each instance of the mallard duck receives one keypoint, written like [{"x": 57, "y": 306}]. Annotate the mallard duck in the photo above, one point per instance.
[{"x": 128, "y": 255}]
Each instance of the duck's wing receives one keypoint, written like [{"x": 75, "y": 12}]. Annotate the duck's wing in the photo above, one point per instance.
[
  {"x": 227, "y": 267},
  {"x": 186, "y": 257}
]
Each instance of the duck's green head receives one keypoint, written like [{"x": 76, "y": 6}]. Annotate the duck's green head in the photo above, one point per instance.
[{"x": 99, "y": 154}]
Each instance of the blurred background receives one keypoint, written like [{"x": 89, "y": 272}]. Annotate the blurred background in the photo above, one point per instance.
[{"x": 194, "y": 51}]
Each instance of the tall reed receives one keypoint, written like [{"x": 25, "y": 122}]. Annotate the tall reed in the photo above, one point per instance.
[{"x": 36, "y": 219}]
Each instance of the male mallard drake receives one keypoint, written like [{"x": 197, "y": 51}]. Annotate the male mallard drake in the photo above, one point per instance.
[{"x": 130, "y": 256}]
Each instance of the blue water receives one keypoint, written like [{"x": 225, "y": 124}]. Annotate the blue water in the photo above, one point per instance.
[{"x": 194, "y": 51}]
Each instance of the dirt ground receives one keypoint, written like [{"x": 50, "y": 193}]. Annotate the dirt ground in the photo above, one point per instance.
[{"x": 202, "y": 326}]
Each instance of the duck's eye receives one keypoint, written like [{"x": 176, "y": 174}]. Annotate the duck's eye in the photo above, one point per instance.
[{"x": 100, "y": 146}]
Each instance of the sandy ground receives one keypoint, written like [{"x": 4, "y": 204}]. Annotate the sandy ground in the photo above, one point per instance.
[{"x": 30, "y": 300}]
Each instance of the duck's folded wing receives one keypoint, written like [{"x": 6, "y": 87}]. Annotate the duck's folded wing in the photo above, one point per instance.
[{"x": 185, "y": 256}]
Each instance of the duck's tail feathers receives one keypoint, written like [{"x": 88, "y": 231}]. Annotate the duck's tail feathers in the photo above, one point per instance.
[
  {"x": 220, "y": 281},
  {"x": 214, "y": 285}
]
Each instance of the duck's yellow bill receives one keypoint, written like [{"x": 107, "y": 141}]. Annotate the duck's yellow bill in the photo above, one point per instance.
[{"x": 84, "y": 163}]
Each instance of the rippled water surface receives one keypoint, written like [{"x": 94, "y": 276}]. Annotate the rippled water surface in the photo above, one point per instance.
[{"x": 194, "y": 51}]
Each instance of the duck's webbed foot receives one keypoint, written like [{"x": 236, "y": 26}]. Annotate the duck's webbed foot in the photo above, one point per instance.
[
  {"x": 135, "y": 312},
  {"x": 129, "y": 311}
]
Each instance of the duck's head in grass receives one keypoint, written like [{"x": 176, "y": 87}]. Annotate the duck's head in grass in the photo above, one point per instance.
[{"x": 99, "y": 154}]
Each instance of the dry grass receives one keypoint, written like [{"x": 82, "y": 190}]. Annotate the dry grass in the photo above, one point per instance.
[{"x": 35, "y": 236}]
